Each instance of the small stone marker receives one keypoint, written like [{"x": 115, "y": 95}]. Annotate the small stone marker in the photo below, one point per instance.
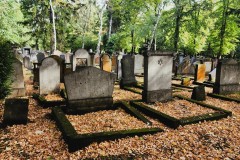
[
  {"x": 157, "y": 76},
  {"x": 17, "y": 86},
  {"x": 200, "y": 73},
  {"x": 138, "y": 64},
  {"x": 128, "y": 77},
  {"x": 198, "y": 93},
  {"x": 227, "y": 77},
  {"x": 89, "y": 88},
  {"x": 15, "y": 111},
  {"x": 81, "y": 58},
  {"x": 49, "y": 76},
  {"x": 106, "y": 63}
]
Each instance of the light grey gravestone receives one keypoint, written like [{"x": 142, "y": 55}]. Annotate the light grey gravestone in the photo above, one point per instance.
[
  {"x": 49, "y": 76},
  {"x": 61, "y": 63},
  {"x": 208, "y": 66},
  {"x": 89, "y": 88},
  {"x": 17, "y": 78},
  {"x": 40, "y": 57},
  {"x": 27, "y": 63},
  {"x": 227, "y": 77},
  {"x": 157, "y": 76},
  {"x": 186, "y": 67},
  {"x": 138, "y": 64},
  {"x": 128, "y": 77},
  {"x": 81, "y": 58},
  {"x": 212, "y": 75},
  {"x": 119, "y": 66}
]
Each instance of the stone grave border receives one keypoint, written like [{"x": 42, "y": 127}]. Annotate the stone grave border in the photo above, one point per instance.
[
  {"x": 204, "y": 83},
  {"x": 175, "y": 122},
  {"x": 132, "y": 89},
  {"x": 45, "y": 103},
  {"x": 182, "y": 86},
  {"x": 77, "y": 141},
  {"x": 223, "y": 97}
]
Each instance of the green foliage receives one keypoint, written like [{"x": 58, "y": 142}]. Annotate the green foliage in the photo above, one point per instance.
[{"x": 6, "y": 60}]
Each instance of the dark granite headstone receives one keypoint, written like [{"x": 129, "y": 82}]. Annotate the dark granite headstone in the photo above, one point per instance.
[
  {"x": 128, "y": 77},
  {"x": 89, "y": 88},
  {"x": 198, "y": 93},
  {"x": 40, "y": 57},
  {"x": 227, "y": 77},
  {"x": 157, "y": 76},
  {"x": 15, "y": 111}
]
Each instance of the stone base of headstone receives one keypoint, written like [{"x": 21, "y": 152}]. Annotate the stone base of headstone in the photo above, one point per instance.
[
  {"x": 226, "y": 89},
  {"x": 198, "y": 93},
  {"x": 127, "y": 82},
  {"x": 159, "y": 95},
  {"x": 17, "y": 92},
  {"x": 15, "y": 111},
  {"x": 88, "y": 105}
]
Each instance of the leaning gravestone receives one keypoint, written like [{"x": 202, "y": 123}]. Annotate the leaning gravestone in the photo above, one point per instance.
[
  {"x": 200, "y": 73},
  {"x": 81, "y": 58},
  {"x": 106, "y": 63},
  {"x": 89, "y": 88},
  {"x": 186, "y": 67},
  {"x": 227, "y": 77},
  {"x": 17, "y": 86},
  {"x": 128, "y": 77},
  {"x": 138, "y": 64},
  {"x": 157, "y": 76},
  {"x": 49, "y": 76}
]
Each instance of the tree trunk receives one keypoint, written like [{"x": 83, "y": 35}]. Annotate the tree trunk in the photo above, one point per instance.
[
  {"x": 223, "y": 27},
  {"x": 54, "y": 45},
  {"x": 100, "y": 29},
  {"x": 110, "y": 27},
  {"x": 177, "y": 27}
]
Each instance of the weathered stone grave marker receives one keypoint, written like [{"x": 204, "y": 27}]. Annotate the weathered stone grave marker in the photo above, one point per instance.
[
  {"x": 106, "y": 63},
  {"x": 27, "y": 63},
  {"x": 40, "y": 57},
  {"x": 198, "y": 93},
  {"x": 89, "y": 88},
  {"x": 114, "y": 60},
  {"x": 49, "y": 76},
  {"x": 81, "y": 58},
  {"x": 128, "y": 77},
  {"x": 157, "y": 76},
  {"x": 227, "y": 77},
  {"x": 212, "y": 75},
  {"x": 200, "y": 73},
  {"x": 138, "y": 64},
  {"x": 17, "y": 86}
]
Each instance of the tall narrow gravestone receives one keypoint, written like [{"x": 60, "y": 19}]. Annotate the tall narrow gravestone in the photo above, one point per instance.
[
  {"x": 200, "y": 71},
  {"x": 106, "y": 63},
  {"x": 128, "y": 77},
  {"x": 88, "y": 89},
  {"x": 49, "y": 76},
  {"x": 157, "y": 76},
  {"x": 227, "y": 77},
  {"x": 17, "y": 86},
  {"x": 138, "y": 64}
]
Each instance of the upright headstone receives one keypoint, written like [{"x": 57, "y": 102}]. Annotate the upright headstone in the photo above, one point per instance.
[
  {"x": 106, "y": 63},
  {"x": 208, "y": 66},
  {"x": 200, "y": 73},
  {"x": 114, "y": 63},
  {"x": 89, "y": 88},
  {"x": 49, "y": 76},
  {"x": 198, "y": 93},
  {"x": 27, "y": 63},
  {"x": 128, "y": 77},
  {"x": 186, "y": 67},
  {"x": 119, "y": 66},
  {"x": 227, "y": 77},
  {"x": 96, "y": 61},
  {"x": 138, "y": 64},
  {"x": 212, "y": 75},
  {"x": 17, "y": 86},
  {"x": 40, "y": 57},
  {"x": 157, "y": 76},
  {"x": 81, "y": 58},
  {"x": 61, "y": 63}
]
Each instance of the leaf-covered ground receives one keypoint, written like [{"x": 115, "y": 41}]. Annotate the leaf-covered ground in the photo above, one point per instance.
[{"x": 41, "y": 139}]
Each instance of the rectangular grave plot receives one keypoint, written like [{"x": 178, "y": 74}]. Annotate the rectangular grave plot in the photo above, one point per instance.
[
  {"x": 174, "y": 122},
  {"x": 231, "y": 97},
  {"x": 50, "y": 100},
  {"x": 77, "y": 141}
]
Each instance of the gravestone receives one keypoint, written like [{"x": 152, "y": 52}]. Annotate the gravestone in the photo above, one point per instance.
[
  {"x": 106, "y": 63},
  {"x": 26, "y": 51},
  {"x": 186, "y": 67},
  {"x": 15, "y": 111},
  {"x": 198, "y": 93},
  {"x": 40, "y": 57},
  {"x": 227, "y": 77},
  {"x": 27, "y": 63},
  {"x": 81, "y": 58},
  {"x": 157, "y": 76},
  {"x": 138, "y": 64},
  {"x": 96, "y": 61},
  {"x": 208, "y": 67},
  {"x": 49, "y": 76},
  {"x": 212, "y": 75},
  {"x": 17, "y": 86},
  {"x": 128, "y": 77},
  {"x": 89, "y": 88},
  {"x": 114, "y": 63},
  {"x": 119, "y": 66},
  {"x": 186, "y": 81},
  {"x": 200, "y": 73}
]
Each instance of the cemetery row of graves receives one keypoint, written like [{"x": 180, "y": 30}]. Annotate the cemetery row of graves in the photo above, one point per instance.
[{"x": 151, "y": 106}]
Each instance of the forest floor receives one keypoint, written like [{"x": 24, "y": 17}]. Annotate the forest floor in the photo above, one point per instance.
[{"x": 41, "y": 139}]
